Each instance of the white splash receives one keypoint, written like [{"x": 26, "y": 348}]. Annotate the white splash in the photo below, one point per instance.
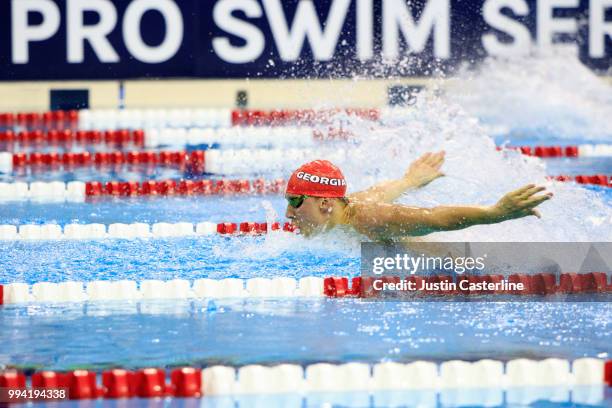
[
  {"x": 476, "y": 174},
  {"x": 543, "y": 95},
  {"x": 271, "y": 214}
]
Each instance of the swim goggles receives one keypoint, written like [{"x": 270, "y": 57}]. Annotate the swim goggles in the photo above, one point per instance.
[{"x": 296, "y": 202}]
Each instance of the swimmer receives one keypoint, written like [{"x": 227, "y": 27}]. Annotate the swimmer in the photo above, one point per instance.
[{"x": 317, "y": 202}]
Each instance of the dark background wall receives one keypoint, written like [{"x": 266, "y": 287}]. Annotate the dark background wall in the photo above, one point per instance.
[{"x": 197, "y": 56}]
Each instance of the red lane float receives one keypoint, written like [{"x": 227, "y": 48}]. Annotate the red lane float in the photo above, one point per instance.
[
  {"x": 336, "y": 287},
  {"x": 580, "y": 283},
  {"x": 183, "y": 187},
  {"x": 180, "y": 159},
  {"x": 185, "y": 382},
  {"x": 533, "y": 284},
  {"x": 253, "y": 228},
  {"x": 150, "y": 383},
  {"x": 82, "y": 385},
  {"x": 12, "y": 379},
  {"x": 58, "y": 120},
  {"x": 188, "y": 382},
  {"x": 67, "y": 138},
  {"x": 119, "y": 383},
  {"x": 49, "y": 379},
  {"x": 7, "y": 120},
  {"x": 594, "y": 179},
  {"x": 545, "y": 152}
]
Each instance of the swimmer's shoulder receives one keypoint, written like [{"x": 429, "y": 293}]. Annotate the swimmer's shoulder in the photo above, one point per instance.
[
  {"x": 357, "y": 208},
  {"x": 360, "y": 216},
  {"x": 365, "y": 214}
]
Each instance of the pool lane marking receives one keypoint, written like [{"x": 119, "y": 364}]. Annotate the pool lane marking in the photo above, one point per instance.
[
  {"x": 56, "y": 119},
  {"x": 194, "y": 162},
  {"x": 592, "y": 179},
  {"x": 489, "y": 379},
  {"x": 67, "y": 138},
  {"x": 215, "y": 160},
  {"x": 54, "y": 232},
  {"x": 77, "y": 191},
  {"x": 473, "y": 285},
  {"x": 280, "y": 287},
  {"x": 133, "y": 141},
  {"x": 546, "y": 151},
  {"x": 332, "y": 287},
  {"x": 126, "y": 140},
  {"x": 220, "y": 117}
]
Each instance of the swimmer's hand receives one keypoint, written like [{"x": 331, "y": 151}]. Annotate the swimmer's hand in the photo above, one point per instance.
[
  {"x": 425, "y": 169},
  {"x": 520, "y": 203},
  {"x": 421, "y": 172}
]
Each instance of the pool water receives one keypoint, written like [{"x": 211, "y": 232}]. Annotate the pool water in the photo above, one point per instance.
[
  {"x": 186, "y": 258},
  {"x": 236, "y": 332},
  {"x": 137, "y": 334}
]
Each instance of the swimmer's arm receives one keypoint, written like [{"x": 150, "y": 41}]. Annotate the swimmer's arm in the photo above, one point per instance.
[
  {"x": 394, "y": 220},
  {"x": 398, "y": 220},
  {"x": 385, "y": 192},
  {"x": 420, "y": 173}
]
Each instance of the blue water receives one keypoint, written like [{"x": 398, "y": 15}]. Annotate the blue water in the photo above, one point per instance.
[
  {"x": 188, "y": 258},
  {"x": 122, "y": 173},
  {"x": 109, "y": 210},
  {"x": 237, "y": 332},
  {"x": 588, "y": 166}
]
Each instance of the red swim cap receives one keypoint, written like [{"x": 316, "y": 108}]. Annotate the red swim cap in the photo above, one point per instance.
[{"x": 318, "y": 178}]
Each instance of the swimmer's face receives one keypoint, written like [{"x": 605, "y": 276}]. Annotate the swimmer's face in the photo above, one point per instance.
[{"x": 310, "y": 215}]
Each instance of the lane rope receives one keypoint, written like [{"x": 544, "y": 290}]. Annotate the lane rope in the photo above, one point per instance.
[
  {"x": 545, "y": 152},
  {"x": 54, "y": 232},
  {"x": 532, "y": 284},
  {"x": 112, "y": 119},
  {"x": 78, "y": 191},
  {"x": 196, "y": 162},
  {"x": 58, "y": 120},
  {"x": 331, "y": 287},
  {"x": 236, "y": 137},
  {"x": 453, "y": 379},
  {"x": 216, "y": 161},
  {"x": 68, "y": 139},
  {"x": 594, "y": 179}
]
